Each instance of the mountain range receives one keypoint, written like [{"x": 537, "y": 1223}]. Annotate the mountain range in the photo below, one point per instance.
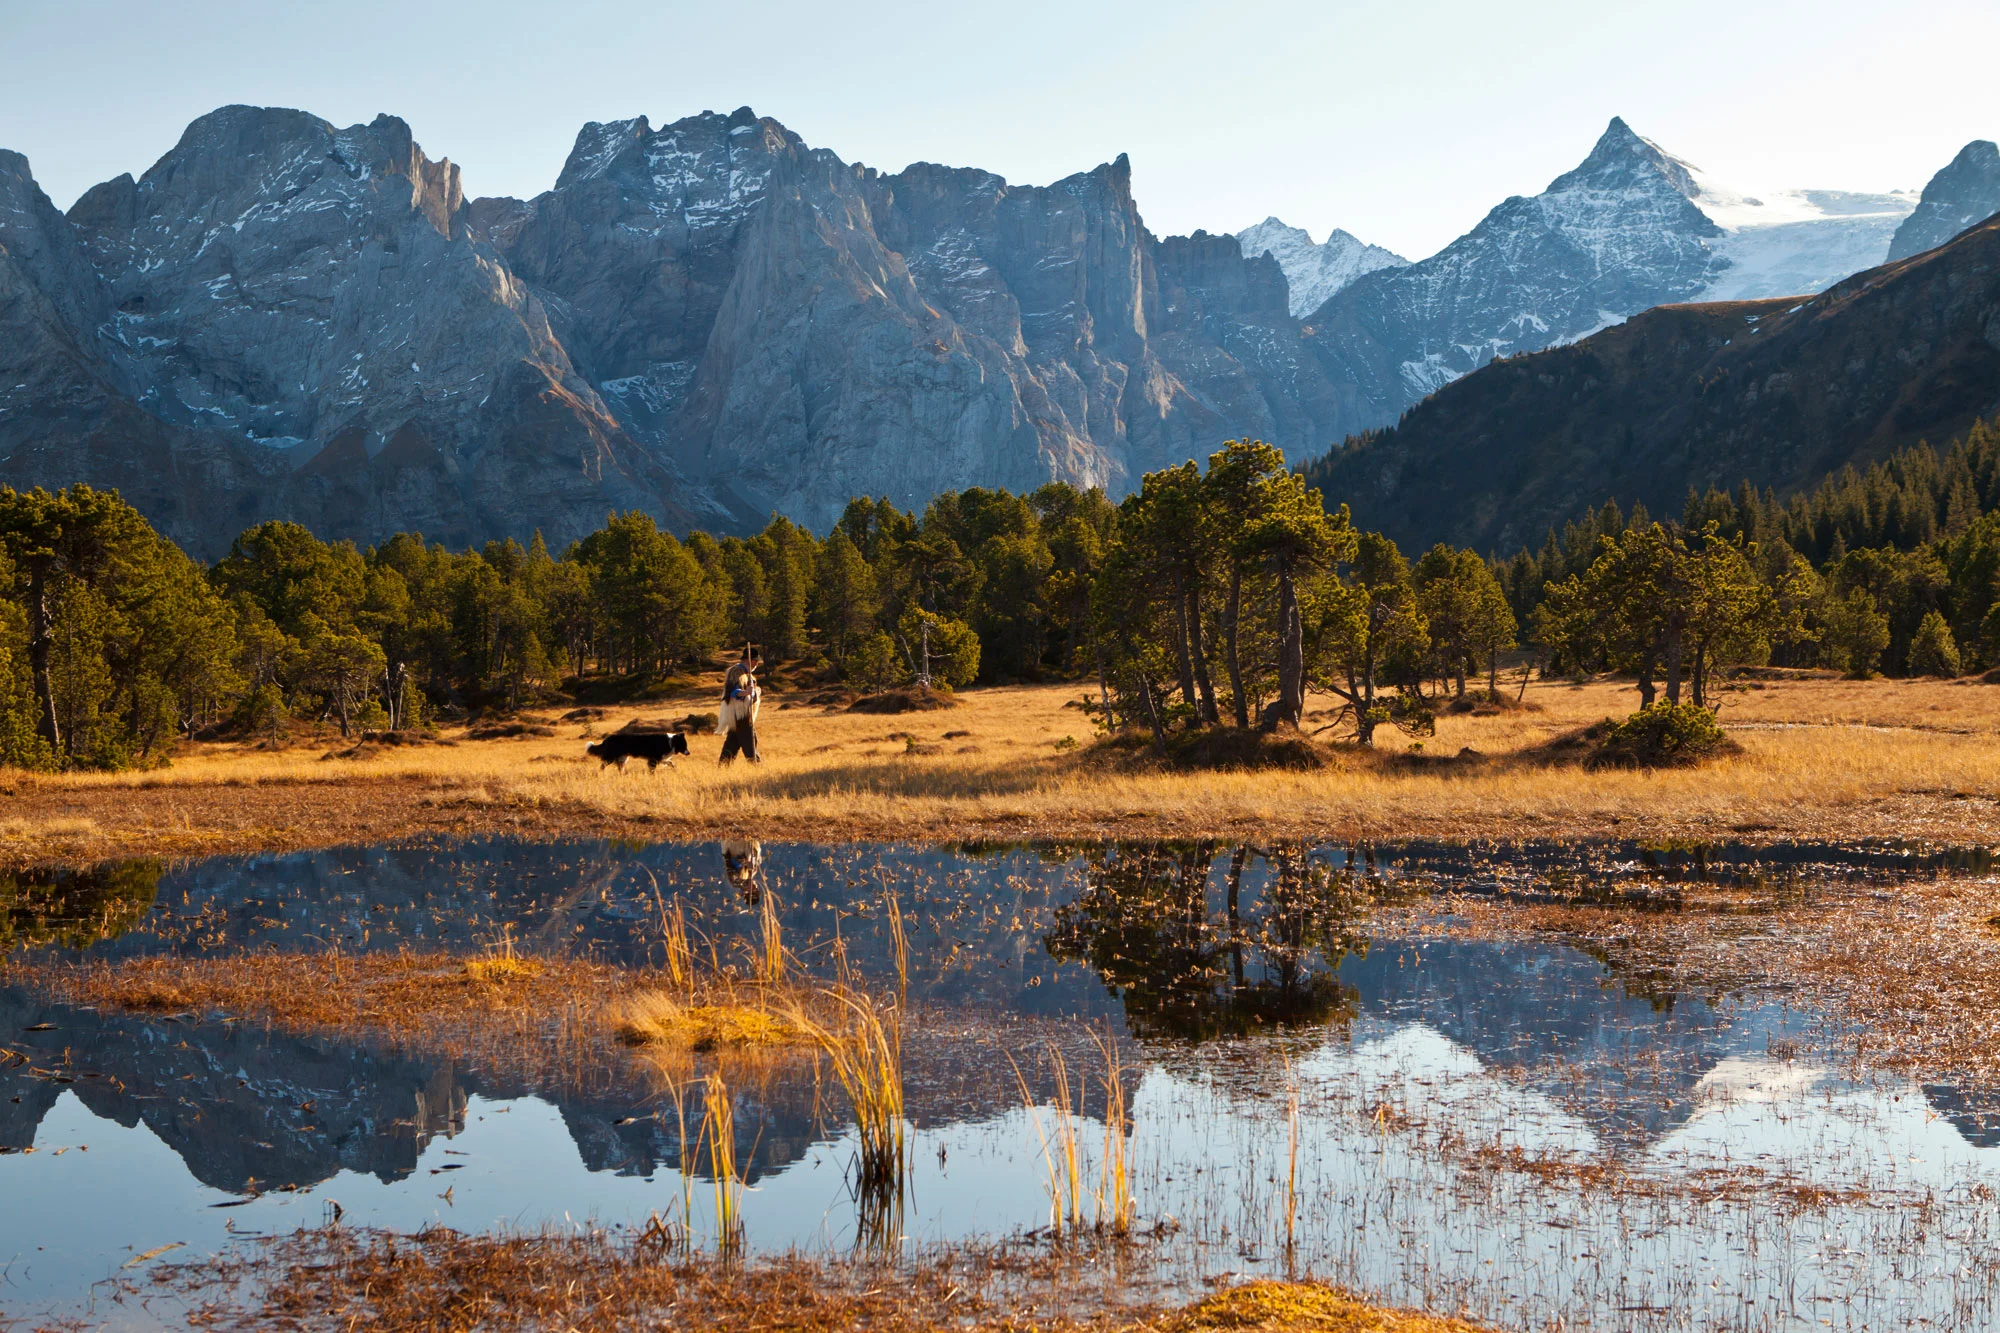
[{"x": 712, "y": 321}]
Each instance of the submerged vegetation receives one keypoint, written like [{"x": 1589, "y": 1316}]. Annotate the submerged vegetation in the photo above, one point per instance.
[{"x": 596, "y": 1280}]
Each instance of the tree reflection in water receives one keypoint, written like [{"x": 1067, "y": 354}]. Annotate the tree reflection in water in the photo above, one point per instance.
[
  {"x": 1266, "y": 954},
  {"x": 72, "y": 907}
]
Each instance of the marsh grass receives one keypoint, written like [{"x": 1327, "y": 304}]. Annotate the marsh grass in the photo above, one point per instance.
[
  {"x": 718, "y": 1127},
  {"x": 1819, "y": 758},
  {"x": 863, "y": 1044},
  {"x": 1107, "y": 1202},
  {"x": 1115, "y": 1207},
  {"x": 661, "y": 1018}
]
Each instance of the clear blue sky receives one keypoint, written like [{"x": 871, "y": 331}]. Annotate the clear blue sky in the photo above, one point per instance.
[{"x": 1401, "y": 122}]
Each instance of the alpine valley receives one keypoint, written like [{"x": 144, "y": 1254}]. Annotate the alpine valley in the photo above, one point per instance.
[{"x": 711, "y": 321}]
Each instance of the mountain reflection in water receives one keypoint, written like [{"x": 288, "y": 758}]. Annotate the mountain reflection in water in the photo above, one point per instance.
[{"x": 1217, "y": 968}]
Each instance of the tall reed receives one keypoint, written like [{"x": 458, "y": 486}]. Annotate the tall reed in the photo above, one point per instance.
[
  {"x": 771, "y": 945},
  {"x": 901, "y": 940},
  {"x": 680, "y": 954},
  {"x": 719, "y": 1129},
  {"x": 866, "y": 1054},
  {"x": 1292, "y": 1158},
  {"x": 684, "y": 1160},
  {"x": 1114, "y": 1180}
]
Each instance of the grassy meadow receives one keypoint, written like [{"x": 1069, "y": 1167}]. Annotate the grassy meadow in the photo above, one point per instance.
[{"x": 1819, "y": 757}]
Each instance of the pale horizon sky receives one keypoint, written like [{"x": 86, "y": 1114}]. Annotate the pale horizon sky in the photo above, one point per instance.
[{"x": 1401, "y": 125}]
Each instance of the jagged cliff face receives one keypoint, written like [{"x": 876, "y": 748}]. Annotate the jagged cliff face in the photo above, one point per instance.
[
  {"x": 313, "y": 293},
  {"x": 785, "y": 330},
  {"x": 1964, "y": 194},
  {"x": 67, "y": 409}
]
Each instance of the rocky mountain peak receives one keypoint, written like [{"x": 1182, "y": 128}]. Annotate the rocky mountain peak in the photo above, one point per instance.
[
  {"x": 1608, "y": 239},
  {"x": 1622, "y": 160},
  {"x": 1965, "y": 193},
  {"x": 1314, "y": 272},
  {"x": 598, "y": 145}
]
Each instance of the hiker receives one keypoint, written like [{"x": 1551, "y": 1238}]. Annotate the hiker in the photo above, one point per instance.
[{"x": 737, "y": 718}]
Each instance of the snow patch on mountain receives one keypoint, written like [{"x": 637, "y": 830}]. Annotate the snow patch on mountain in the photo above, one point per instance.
[
  {"x": 1787, "y": 242},
  {"x": 1314, "y": 270}
]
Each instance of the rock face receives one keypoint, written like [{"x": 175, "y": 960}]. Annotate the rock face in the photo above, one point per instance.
[
  {"x": 1778, "y": 392},
  {"x": 1315, "y": 271},
  {"x": 283, "y": 319},
  {"x": 786, "y": 330},
  {"x": 1964, "y": 194},
  {"x": 67, "y": 410}
]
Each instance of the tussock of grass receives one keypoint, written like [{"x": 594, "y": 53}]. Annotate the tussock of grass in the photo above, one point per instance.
[
  {"x": 656, "y": 1018},
  {"x": 503, "y": 969},
  {"x": 910, "y": 699},
  {"x": 1299, "y": 1307}
]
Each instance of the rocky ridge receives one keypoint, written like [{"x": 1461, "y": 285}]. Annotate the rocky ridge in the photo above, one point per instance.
[
  {"x": 1630, "y": 228},
  {"x": 710, "y": 322},
  {"x": 1964, "y": 194}
]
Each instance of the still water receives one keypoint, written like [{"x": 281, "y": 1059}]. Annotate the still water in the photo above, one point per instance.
[{"x": 1505, "y": 1127}]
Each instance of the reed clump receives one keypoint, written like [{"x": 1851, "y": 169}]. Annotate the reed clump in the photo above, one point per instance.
[
  {"x": 1106, "y": 1202},
  {"x": 863, "y": 1044}
]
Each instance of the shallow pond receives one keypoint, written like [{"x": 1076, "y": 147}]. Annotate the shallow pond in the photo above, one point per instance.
[{"x": 1506, "y": 1127}]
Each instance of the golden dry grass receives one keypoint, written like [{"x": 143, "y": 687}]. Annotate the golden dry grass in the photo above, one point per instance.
[
  {"x": 1298, "y": 1307},
  {"x": 1820, "y": 758},
  {"x": 657, "y": 1018}
]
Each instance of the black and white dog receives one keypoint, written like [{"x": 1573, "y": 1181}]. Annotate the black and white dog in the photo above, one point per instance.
[{"x": 651, "y": 746}]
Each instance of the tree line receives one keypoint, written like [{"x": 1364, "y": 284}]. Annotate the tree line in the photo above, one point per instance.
[
  {"x": 1894, "y": 568},
  {"x": 1217, "y": 595}
]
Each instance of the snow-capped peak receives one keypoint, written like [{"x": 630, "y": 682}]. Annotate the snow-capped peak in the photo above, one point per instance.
[{"x": 1314, "y": 270}]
